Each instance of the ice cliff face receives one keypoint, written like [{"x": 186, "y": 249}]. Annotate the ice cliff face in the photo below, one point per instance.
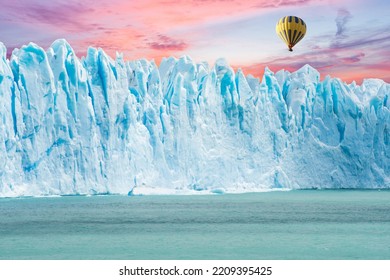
[{"x": 97, "y": 125}]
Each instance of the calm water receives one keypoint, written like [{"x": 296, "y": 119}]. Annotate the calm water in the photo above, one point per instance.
[{"x": 276, "y": 225}]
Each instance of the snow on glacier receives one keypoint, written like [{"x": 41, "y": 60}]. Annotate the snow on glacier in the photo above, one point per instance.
[{"x": 99, "y": 126}]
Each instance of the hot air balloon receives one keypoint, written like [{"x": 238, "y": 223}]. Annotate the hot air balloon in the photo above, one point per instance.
[{"x": 291, "y": 29}]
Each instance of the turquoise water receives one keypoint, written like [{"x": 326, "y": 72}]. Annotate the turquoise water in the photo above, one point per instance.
[{"x": 276, "y": 225}]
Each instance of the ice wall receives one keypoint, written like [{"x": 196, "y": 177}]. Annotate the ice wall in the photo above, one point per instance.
[{"x": 98, "y": 125}]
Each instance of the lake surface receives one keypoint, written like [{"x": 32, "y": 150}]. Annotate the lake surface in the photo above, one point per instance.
[{"x": 310, "y": 224}]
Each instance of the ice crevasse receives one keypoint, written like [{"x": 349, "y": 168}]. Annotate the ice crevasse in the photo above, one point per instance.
[{"x": 102, "y": 126}]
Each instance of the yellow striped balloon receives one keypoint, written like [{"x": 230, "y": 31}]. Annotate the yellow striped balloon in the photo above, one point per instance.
[{"x": 291, "y": 30}]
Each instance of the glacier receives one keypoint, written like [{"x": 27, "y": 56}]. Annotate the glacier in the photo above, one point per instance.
[{"x": 98, "y": 125}]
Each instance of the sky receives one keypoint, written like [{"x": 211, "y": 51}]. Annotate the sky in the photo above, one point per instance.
[{"x": 349, "y": 39}]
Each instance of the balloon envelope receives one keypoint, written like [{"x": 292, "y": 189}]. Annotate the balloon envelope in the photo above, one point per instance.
[{"x": 291, "y": 30}]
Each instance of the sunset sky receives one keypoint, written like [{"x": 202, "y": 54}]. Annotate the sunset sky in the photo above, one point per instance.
[{"x": 349, "y": 39}]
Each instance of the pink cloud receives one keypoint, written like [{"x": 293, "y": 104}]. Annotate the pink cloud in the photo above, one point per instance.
[
  {"x": 149, "y": 15},
  {"x": 352, "y": 59},
  {"x": 146, "y": 29},
  {"x": 166, "y": 43},
  {"x": 167, "y": 14},
  {"x": 60, "y": 15},
  {"x": 137, "y": 28}
]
